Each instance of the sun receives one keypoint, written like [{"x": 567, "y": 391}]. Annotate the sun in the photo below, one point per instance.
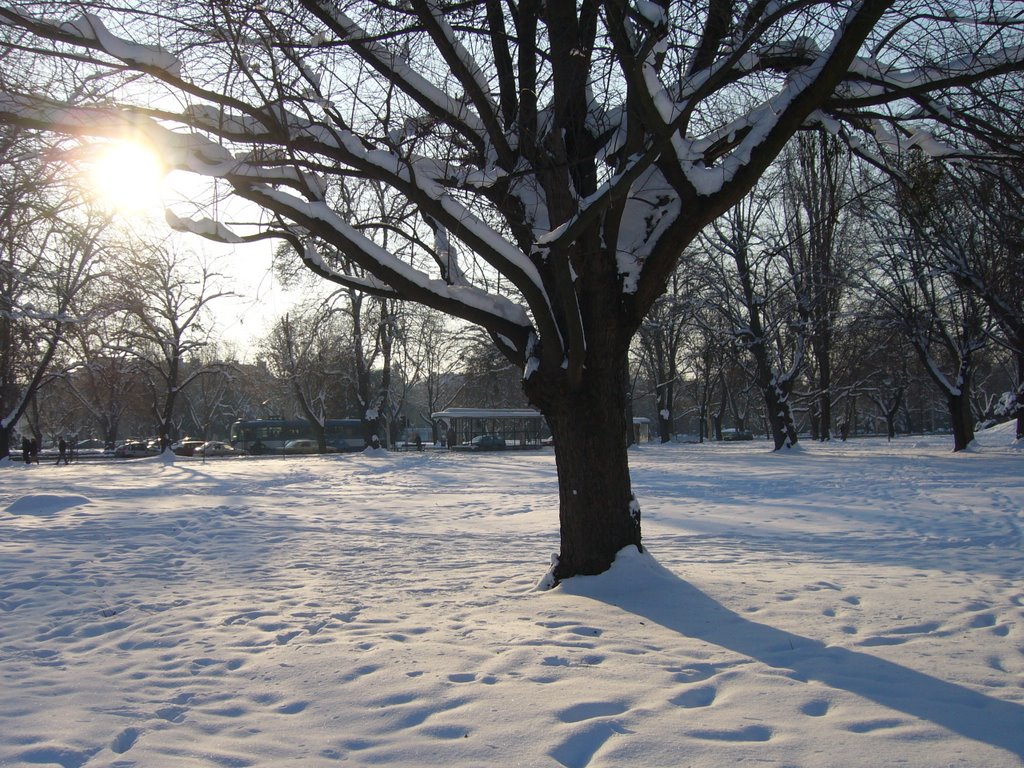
[{"x": 128, "y": 176}]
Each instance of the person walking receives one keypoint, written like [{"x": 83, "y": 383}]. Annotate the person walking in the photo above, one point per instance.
[
  {"x": 62, "y": 451},
  {"x": 34, "y": 449},
  {"x": 26, "y": 451}
]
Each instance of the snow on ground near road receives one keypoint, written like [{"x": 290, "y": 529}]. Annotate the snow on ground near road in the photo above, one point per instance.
[{"x": 855, "y": 604}]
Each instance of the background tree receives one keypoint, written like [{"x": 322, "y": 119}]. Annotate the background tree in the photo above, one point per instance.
[
  {"x": 303, "y": 349},
  {"x": 660, "y": 341},
  {"x": 816, "y": 189},
  {"x": 369, "y": 323},
  {"x": 945, "y": 325},
  {"x": 759, "y": 305},
  {"x": 107, "y": 383},
  {"x": 489, "y": 380},
  {"x": 563, "y": 154},
  {"x": 976, "y": 232},
  {"x": 431, "y": 360},
  {"x": 206, "y": 411},
  {"x": 167, "y": 295},
  {"x": 50, "y": 252}
]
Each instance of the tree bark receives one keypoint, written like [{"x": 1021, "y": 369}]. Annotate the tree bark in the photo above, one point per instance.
[
  {"x": 598, "y": 514},
  {"x": 1020, "y": 394},
  {"x": 962, "y": 420},
  {"x": 166, "y": 413},
  {"x": 6, "y": 434},
  {"x": 824, "y": 392},
  {"x": 780, "y": 417},
  {"x": 666, "y": 397}
]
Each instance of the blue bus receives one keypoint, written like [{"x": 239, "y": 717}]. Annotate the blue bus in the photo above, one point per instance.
[{"x": 271, "y": 435}]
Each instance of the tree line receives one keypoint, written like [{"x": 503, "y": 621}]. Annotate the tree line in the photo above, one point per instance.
[
  {"x": 831, "y": 298},
  {"x": 840, "y": 293}
]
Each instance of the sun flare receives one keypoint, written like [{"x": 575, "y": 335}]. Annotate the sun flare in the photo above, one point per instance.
[{"x": 129, "y": 177}]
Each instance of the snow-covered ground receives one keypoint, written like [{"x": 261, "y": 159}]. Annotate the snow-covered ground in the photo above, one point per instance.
[{"x": 855, "y": 604}]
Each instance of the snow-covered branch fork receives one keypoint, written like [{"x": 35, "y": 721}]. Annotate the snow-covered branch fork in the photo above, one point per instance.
[{"x": 558, "y": 156}]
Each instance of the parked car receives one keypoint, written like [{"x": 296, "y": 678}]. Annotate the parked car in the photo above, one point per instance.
[
  {"x": 736, "y": 434},
  {"x": 214, "y": 448},
  {"x": 186, "y": 447},
  {"x": 487, "y": 443},
  {"x": 132, "y": 450}
]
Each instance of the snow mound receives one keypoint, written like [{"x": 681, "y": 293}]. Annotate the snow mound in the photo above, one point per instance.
[
  {"x": 998, "y": 436},
  {"x": 45, "y": 504},
  {"x": 633, "y": 573}
]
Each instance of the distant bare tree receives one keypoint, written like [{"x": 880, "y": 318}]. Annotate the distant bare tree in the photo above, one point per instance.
[
  {"x": 167, "y": 295},
  {"x": 975, "y": 232},
  {"x": 432, "y": 361},
  {"x": 302, "y": 347},
  {"x": 816, "y": 189},
  {"x": 50, "y": 253},
  {"x": 758, "y": 302},
  {"x": 946, "y": 325}
]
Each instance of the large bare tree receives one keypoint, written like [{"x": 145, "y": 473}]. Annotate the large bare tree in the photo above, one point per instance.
[
  {"x": 558, "y": 155},
  {"x": 51, "y": 253}
]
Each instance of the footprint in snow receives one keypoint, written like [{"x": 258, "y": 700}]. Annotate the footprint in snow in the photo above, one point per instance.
[
  {"x": 816, "y": 708},
  {"x": 589, "y": 710},
  {"x": 124, "y": 741},
  {"x": 696, "y": 697},
  {"x": 867, "y": 726},
  {"x": 982, "y": 620},
  {"x": 579, "y": 749}
]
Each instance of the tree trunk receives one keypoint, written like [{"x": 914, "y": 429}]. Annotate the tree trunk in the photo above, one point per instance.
[
  {"x": 166, "y": 413},
  {"x": 825, "y": 415},
  {"x": 110, "y": 434},
  {"x": 6, "y": 432},
  {"x": 666, "y": 396},
  {"x": 1020, "y": 395},
  {"x": 962, "y": 419},
  {"x": 780, "y": 418},
  {"x": 822, "y": 345},
  {"x": 813, "y": 420},
  {"x": 598, "y": 514},
  {"x": 719, "y": 415}
]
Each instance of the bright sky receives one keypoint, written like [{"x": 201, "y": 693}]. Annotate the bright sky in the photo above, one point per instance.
[{"x": 131, "y": 179}]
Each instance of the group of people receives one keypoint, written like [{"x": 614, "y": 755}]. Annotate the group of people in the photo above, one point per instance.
[{"x": 30, "y": 451}]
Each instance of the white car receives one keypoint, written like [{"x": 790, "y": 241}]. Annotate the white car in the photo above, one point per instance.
[
  {"x": 214, "y": 448},
  {"x": 132, "y": 449}
]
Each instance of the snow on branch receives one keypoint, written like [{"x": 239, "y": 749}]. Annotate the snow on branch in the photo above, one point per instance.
[
  {"x": 402, "y": 276},
  {"x": 870, "y": 82},
  {"x": 204, "y": 227},
  {"x": 397, "y": 70},
  {"x": 89, "y": 31},
  {"x": 468, "y": 62}
]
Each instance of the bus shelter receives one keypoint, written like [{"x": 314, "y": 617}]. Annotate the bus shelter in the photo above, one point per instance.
[{"x": 492, "y": 428}]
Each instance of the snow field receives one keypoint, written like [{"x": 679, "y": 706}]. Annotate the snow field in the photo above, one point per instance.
[{"x": 855, "y": 604}]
